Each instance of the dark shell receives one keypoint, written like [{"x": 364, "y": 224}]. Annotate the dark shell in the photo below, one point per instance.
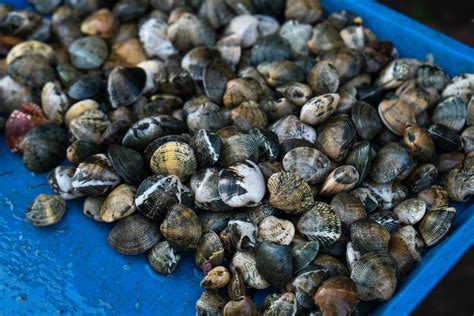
[
  {"x": 386, "y": 218},
  {"x": 274, "y": 263},
  {"x": 176, "y": 81},
  {"x": 306, "y": 283},
  {"x": 210, "y": 303},
  {"x": 431, "y": 76},
  {"x": 337, "y": 295},
  {"x": 215, "y": 76},
  {"x": 377, "y": 54},
  {"x": 127, "y": 162},
  {"x": 85, "y": 87},
  {"x": 79, "y": 150},
  {"x": 210, "y": 250},
  {"x": 321, "y": 223},
  {"x": 451, "y": 112},
  {"x": 436, "y": 224},
  {"x": 336, "y": 138},
  {"x": 114, "y": 133},
  {"x": 303, "y": 254},
  {"x": 392, "y": 162},
  {"x": 277, "y": 73},
  {"x": 196, "y": 59},
  {"x": 155, "y": 144},
  {"x": 361, "y": 158},
  {"x": 366, "y": 120},
  {"x": 125, "y": 85},
  {"x": 348, "y": 62},
  {"x": 163, "y": 258},
  {"x": 269, "y": 48},
  {"x": 421, "y": 177},
  {"x": 369, "y": 236},
  {"x": 44, "y": 147},
  {"x": 238, "y": 148},
  {"x": 309, "y": 163},
  {"x": 216, "y": 12},
  {"x": 323, "y": 78},
  {"x": 207, "y": 146},
  {"x": 88, "y": 52},
  {"x": 204, "y": 184},
  {"x": 134, "y": 234},
  {"x": 181, "y": 228},
  {"x": 278, "y": 109},
  {"x": 267, "y": 142},
  {"x": 325, "y": 37},
  {"x": 348, "y": 207},
  {"x": 31, "y": 70},
  {"x": 60, "y": 181},
  {"x": 445, "y": 138}
]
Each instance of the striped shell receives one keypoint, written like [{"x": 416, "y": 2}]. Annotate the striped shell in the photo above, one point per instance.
[
  {"x": 308, "y": 163},
  {"x": 276, "y": 230},
  {"x": 181, "y": 228},
  {"x": 436, "y": 224},
  {"x": 320, "y": 223},
  {"x": 45, "y": 210},
  {"x": 174, "y": 158},
  {"x": 289, "y": 193}
]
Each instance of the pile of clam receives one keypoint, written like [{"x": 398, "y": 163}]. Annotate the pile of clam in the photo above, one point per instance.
[{"x": 285, "y": 147}]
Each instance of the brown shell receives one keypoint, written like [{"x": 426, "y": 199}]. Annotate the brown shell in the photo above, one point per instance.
[
  {"x": 181, "y": 227},
  {"x": 216, "y": 278},
  {"x": 396, "y": 115},
  {"x": 434, "y": 197},
  {"x": 119, "y": 203},
  {"x": 348, "y": 207},
  {"x": 369, "y": 236},
  {"x": 419, "y": 143},
  {"x": 342, "y": 179},
  {"x": 337, "y": 295},
  {"x": 247, "y": 116},
  {"x": 336, "y": 138},
  {"x": 320, "y": 223},
  {"x": 436, "y": 224},
  {"x": 241, "y": 89},
  {"x": 289, "y": 193}
]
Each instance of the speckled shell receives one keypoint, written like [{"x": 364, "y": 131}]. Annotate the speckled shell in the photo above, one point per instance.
[
  {"x": 30, "y": 47},
  {"x": 392, "y": 162},
  {"x": 290, "y": 127},
  {"x": 245, "y": 262},
  {"x": 320, "y": 223},
  {"x": 89, "y": 126},
  {"x": 181, "y": 227},
  {"x": 204, "y": 184},
  {"x": 92, "y": 206},
  {"x": 276, "y": 230},
  {"x": 397, "y": 72},
  {"x": 369, "y": 236},
  {"x": 247, "y": 116},
  {"x": 163, "y": 258},
  {"x": 79, "y": 108},
  {"x": 406, "y": 247},
  {"x": 387, "y": 194},
  {"x": 323, "y": 78},
  {"x": 336, "y": 138},
  {"x": 436, "y": 224},
  {"x": 342, "y": 179},
  {"x": 309, "y": 163},
  {"x": 386, "y": 218},
  {"x": 319, "y": 108},
  {"x": 461, "y": 84},
  {"x": 210, "y": 303},
  {"x": 152, "y": 34},
  {"x": 31, "y": 70},
  {"x": 396, "y": 115},
  {"x": 209, "y": 250},
  {"x": 410, "y": 211},
  {"x": 241, "y": 234},
  {"x": 45, "y": 210},
  {"x": 60, "y": 181},
  {"x": 174, "y": 158},
  {"x": 434, "y": 197},
  {"x": 241, "y": 89},
  {"x": 280, "y": 304},
  {"x": 134, "y": 234},
  {"x": 119, "y": 203},
  {"x": 289, "y": 193}
]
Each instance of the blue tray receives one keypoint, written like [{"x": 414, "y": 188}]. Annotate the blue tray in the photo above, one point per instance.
[{"x": 70, "y": 268}]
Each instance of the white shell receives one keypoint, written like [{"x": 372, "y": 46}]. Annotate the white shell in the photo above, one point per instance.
[
  {"x": 280, "y": 231},
  {"x": 152, "y": 69},
  {"x": 352, "y": 255},
  {"x": 410, "y": 211},
  {"x": 290, "y": 127},
  {"x": 319, "y": 108},
  {"x": 60, "y": 180},
  {"x": 245, "y": 27},
  {"x": 54, "y": 103},
  {"x": 460, "y": 85},
  {"x": 153, "y": 36},
  {"x": 245, "y": 261}
]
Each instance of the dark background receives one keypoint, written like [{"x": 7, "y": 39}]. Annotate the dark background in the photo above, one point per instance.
[{"x": 454, "y": 295}]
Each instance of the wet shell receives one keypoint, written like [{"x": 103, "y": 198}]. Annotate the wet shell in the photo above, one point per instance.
[
  {"x": 134, "y": 234},
  {"x": 152, "y": 34},
  {"x": 276, "y": 230},
  {"x": 79, "y": 150},
  {"x": 431, "y": 76},
  {"x": 209, "y": 250},
  {"x": 247, "y": 116},
  {"x": 361, "y": 158},
  {"x": 375, "y": 277},
  {"x": 468, "y": 139},
  {"x": 119, "y": 203},
  {"x": 267, "y": 142},
  {"x": 31, "y": 70},
  {"x": 410, "y": 211},
  {"x": 434, "y": 197},
  {"x": 337, "y": 295},
  {"x": 92, "y": 206},
  {"x": 303, "y": 254},
  {"x": 419, "y": 143},
  {"x": 245, "y": 262},
  {"x": 436, "y": 224},
  {"x": 280, "y": 304},
  {"x": 241, "y": 89},
  {"x": 392, "y": 162},
  {"x": 277, "y": 73},
  {"x": 369, "y": 236},
  {"x": 241, "y": 184},
  {"x": 127, "y": 162},
  {"x": 319, "y": 108},
  {"x": 181, "y": 228},
  {"x": 421, "y": 177},
  {"x": 125, "y": 85},
  {"x": 54, "y": 103},
  {"x": 459, "y": 85},
  {"x": 95, "y": 176},
  {"x": 205, "y": 116},
  {"x": 336, "y": 138},
  {"x": 88, "y": 52},
  {"x": 366, "y": 120},
  {"x": 303, "y": 10},
  {"x": 174, "y": 158},
  {"x": 215, "y": 76},
  {"x": 45, "y": 210},
  {"x": 269, "y": 48},
  {"x": 230, "y": 49},
  {"x": 333, "y": 265},
  {"x": 274, "y": 263},
  {"x": 290, "y": 127},
  {"x": 189, "y": 31},
  {"x": 60, "y": 181},
  {"x": 459, "y": 183},
  {"x": 153, "y": 69},
  {"x": 308, "y": 163},
  {"x": 238, "y": 148},
  {"x": 289, "y": 193},
  {"x": 325, "y": 38},
  {"x": 79, "y": 108},
  {"x": 163, "y": 258},
  {"x": 306, "y": 284},
  {"x": 406, "y": 247},
  {"x": 89, "y": 126},
  {"x": 450, "y": 112},
  {"x": 342, "y": 179},
  {"x": 445, "y": 138},
  {"x": 241, "y": 306},
  {"x": 323, "y": 78},
  {"x": 320, "y": 223},
  {"x": 349, "y": 208},
  {"x": 396, "y": 115}
]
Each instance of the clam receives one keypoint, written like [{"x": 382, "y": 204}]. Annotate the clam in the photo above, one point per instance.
[
  {"x": 89, "y": 126},
  {"x": 258, "y": 213},
  {"x": 392, "y": 162},
  {"x": 459, "y": 85},
  {"x": 92, "y": 206},
  {"x": 274, "y": 262},
  {"x": 330, "y": 263},
  {"x": 196, "y": 60},
  {"x": 375, "y": 276},
  {"x": 337, "y": 295},
  {"x": 43, "y": 147},
  {"x": 303, "y": 11},
  {"x": 436, "y": 224},
  {"x": 406, "y": 247},
  {"x": 241, "y": 232},
  {"x": 267, "y": 142},
  {"x": 119, "y": 203},
  {"x": 216, "y": 12},
  {"x": 348, "y": 62},
  {"x": 248, "y": 115},
  {"x": 60, "y": 181},
  {"x": 125, "y": 85},
  {"x": 85, "y": 86},
  {"x": 13, "y": 95},
  {"x": 79, "y": 150},
  {"x": 421, "y": 177},
  {"x": 396, "y": 114},
  {"x": 241, "y": 184},
  {"x": 209, "y": 250},
  {"x": 366, "y": 120},
  {"x": 230, "y": 49},
  {"x": 337, "y": 137},
  {"x": 134, "y": 234},
  {"x": 361, "y": 158},
  {"x": 431, "y": 76},
  {"x": 323, "y": 78},
  {"x": 204, "y": 184},
  {"x": 298, "y": 93},
  {"x": 459, "y": 184},
  {"x": 419, "y": 143},
  {"x": 467, "y": 137},
  {"x": 386, "y": 218},
  {"x": 127, "y": 162},
  {"x": 319, "y": 108},
  {"x": 348, "y": 207},
  {"x": 236, "y": 287},
  {"x": 397, "y": 72},
  {"x": 95, "y": 176},
  {"x": 153, "y": 68},
  {"x": 447, "y": 161},
  {"x": 289, "y": 193},
  {"x": 215, "y": 75},
  {"x": 410, "y": 211},
  {"x": 303, "y": 254},
  {"x": 377, "y": 54},
  {"x": 241, "y": 89},
  {"x": 342, "y": 179},
  {"x": 278, "y": 109},
  {"x": 387, "y": 194},
  {"x": 368, "y": 198},
  {"x": 325, "y": 38},
  {"x": 306, "y": 283},
  {"x": 269, "y": 48},
  {"x": 369, "y": 236},
  {"x": 100, "y": 23},
  {"x": 290, "y": 127},
  {"x": 241, "y": 306},
  {"x": 174, "y": 158},
  {"x": 88, "y": 52},
  {"x": 152, "y": 34},
  {"x": 176, "y": 81},
  {"x": 31, "y": 70},
  {"x": 308, "y": 163},
  {"x": 45, "y": 210},
  {"x": 210, "y": 303},
  {"x": 356, "y": 36},
  {"x": 238, "y": 148},
  {"x": 296, "y": 34},
  {"x": 245, "y": 262},
  {"x": 189, "y": 31},
  {"x": 79, "y": 108},
  {"x": 435, "y": 196},
  {"x": 181, "y": 227},
  {"x": 450, "y": 112},
  {"x": 445, "y": 138},
  {"x": 320, "y": 223},
  {"x": 206, "y": 115},
  {"x": 216, "y": 278},
  {"x": 280, "y": 304},
  {"x": 277, "y": 73},
  {"x": 273, "y": 229},
  {"x": 163, "y": 258},
  {"x": 54, "y": 103},
  {"x": 245, "y": 28},
  {"x": 30, "y": 47},
  {"x": 470, "y": 112}
]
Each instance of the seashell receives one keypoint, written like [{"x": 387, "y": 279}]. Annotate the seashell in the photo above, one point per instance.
[
  {"x": 459, "y": 184},
  {"x": 367, "y": 197},
  {"x": 134, "y": 234},
  {"x": 236, "y": 287},
  {"x": 245, "y": 28},
  {"x": 209, "y": 250},
  {"x": 216, "y": 73},
  {"x": 79, "y": 108},
  {"x": 396, "y": 115},
  {"x": 298, "y": 93},
  {"x": 386, "y": 218},
  {"x": 153, "y": 37},
  {"x": 267, "y": 24},
  {"x": 189, "y": 31},
  {"x": 238, "y": 148},
  {"x": 204, "y": 185},
  {"x": 176, "y": 81},
  {"x": 100, "y": 23},
  {"x": 210, "y": 303},
  {"x": 144, "y": 131},
  {"x": 410, "y": 211},
  {"x": 467, "y": 137},
  {"x": 13, "y": 95},
  {"x": 216, "y": 12},
  {"x": 276, "y": 230},
  {"x": 206, "y": 116},
  {"x": 241, "y": 89},
  {"x": 31, "y": 70},
  {"x": 431, "y": 76},
  {"x": 269, "y": 48},
  {"x": 278, "y": 109},
  {"x": 20, "y": 122},
  {"x": 207, "y": 147},
  {"x": 320, "y": 223},
  {"x": 267, "y": 142},
  {"x": 247, "y": 116},
  {"x": 89, "y": 126},
  {"x": 95, "y": 176},
  {"x": 366, "y": 120},
  {"x": 387, "y": 194},
  {"x": 337, "y": 294},
  {"x": 325, "y": 38},
  {"x": 181, "y": 228},
  {"x": 417, "y": 99},
  {"x": 119, "y": 203},
  {"x": 54, "y": 103},
  {"x": 227, "y": 132},
  {"x": 45, "y": 210},
  {"x": 216, "y": 278},
  {"x": 336, "y": 138},
  {"x": 330, "y": 263},
  {"x": 79, "y": 150},
  {"x": 406, "y": 247},
  {"x": 127, "y": 162},
  {"x": 308, "y": 163},
  {"x": 163, "y": 258},
  {"x": 88, "y": 52},
  {"x": 303, "y": 11},
  {"x": 392, "y": 162},
  {"x": 60, "y": 181},
  {"x": 236, "y": 181},
  {"x": 348, "y": 62},
  {"x": 196, "y": 60},
  {"x": 241, "y": 306},
  {"x": 306, "y": 283},
  {"x": 289, "y": 193},
  {"x": 421, "y": 177},
  {"x": 114, "y": 133},
  {"x": 369, "y": 236},
  {"x": 280, "y": 304},
  {"x": 445, "y": 162},
  {"x": 274, "y": 263},
  {"x": 153, "y": 69},
  {"x": 450, "y": 112},
  {"x": 434, "y": 197},
  {"x": 303, "y": 254},
  {"x": 246, "y": 263},
  {"x": 296, "y": 34},
  {"x": 324, "y": 78},
  {"x": 30, "y": 47},
  {"x": 459, "y": 85},
  {"x": 348, "y": 207},
  {"x": 342, "y": 179},
  {"x": 360, "y": 157},
  {"x": 436, "y": 224},
  {"x": 277, "y": 73},
  {"x": 319, "y": 108},
  {"x": 375, "y": 276},
  {"x": 344, "y": 18},
  {"x": 230, "y": 49},
  {"x": 397, "y": 72},
  {"x": 125, "y": 85},
  {"x": 352, "y": 255},
  {"x": 419, "y": 143},
  {"x": 445, "y": 138},
  {"x": 85, "y": 87},
  {"x": 92, "y": 206},
  {"x": 290, "y": 127},
  {"x": 43, "y": 147},
  {"x": 377, "y": 54},
  {"x": 356, "y": 36},
  {"x": 258, "y": 213}
]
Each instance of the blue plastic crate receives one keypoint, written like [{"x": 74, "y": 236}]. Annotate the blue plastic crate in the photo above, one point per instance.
[{"x": 70, "y": 268}]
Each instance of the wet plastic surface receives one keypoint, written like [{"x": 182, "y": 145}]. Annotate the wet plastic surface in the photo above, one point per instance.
[{"x": 70, "y": 268}]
